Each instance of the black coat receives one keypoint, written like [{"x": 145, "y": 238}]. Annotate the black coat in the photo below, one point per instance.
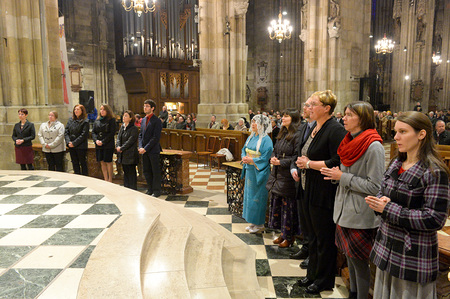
[
  {"x": 320, "y": 192},
  {"x": 104, "y": 130},
  {"x": 28, "y": 133},
  {"x": 127, "y": 140},
  {"x": 77, "y": 132},
  {"x": 280, "y": 180},
  {"x": 443, "y": 139}
]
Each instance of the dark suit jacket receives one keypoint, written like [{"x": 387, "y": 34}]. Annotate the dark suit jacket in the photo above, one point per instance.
[
  {"x": 150, "y": 135},
  {"x": 341, "y": 121},
  {"x": 28, "y": 133},
  {"x": 444, "y": 138}
]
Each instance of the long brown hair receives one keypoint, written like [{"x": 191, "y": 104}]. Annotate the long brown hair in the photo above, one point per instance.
[
  {"x": 109, "y": 112},
  {"x": 83, "y": 112},
  {"x": 427, "y": 150},
  {"x": 289, "y": 133}
]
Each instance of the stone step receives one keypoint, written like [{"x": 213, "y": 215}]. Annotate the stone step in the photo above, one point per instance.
[
  {"x": 162, "y": 265},
  {"x": 103, "y": 278}
]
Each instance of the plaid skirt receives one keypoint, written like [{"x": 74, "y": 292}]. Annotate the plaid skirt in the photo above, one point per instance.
[{"x": 355, "y": 243}]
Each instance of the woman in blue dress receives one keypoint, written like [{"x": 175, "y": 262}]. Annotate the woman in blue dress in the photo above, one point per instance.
[{"x": 256, "y": 154}]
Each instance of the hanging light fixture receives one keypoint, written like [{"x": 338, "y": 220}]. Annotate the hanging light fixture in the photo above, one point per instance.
[
  {"x": 384, "y": 46},
  {"x": 436, "y": 58},
  {"x": 280, "y": 30},
  {"x": 139, "y": 6}
]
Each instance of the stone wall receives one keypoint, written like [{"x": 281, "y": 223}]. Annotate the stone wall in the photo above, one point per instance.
[
  {"x": 277, "y": 67},
  {"x": 29, "y": 77},
  {"x": 90, "y": 32}
]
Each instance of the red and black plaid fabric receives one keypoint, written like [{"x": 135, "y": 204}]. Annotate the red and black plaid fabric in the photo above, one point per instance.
[{"x": 355, "y": 243}]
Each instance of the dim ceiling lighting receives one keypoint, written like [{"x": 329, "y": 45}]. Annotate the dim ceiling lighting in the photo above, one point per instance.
[
  {"x": 139, "y": 6},
  {"x": 280, "y": 30},
  {"x": 384, "y": 46}
]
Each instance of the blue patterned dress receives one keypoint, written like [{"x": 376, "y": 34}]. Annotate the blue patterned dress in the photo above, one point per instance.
[{"x": 255, "y": 192}]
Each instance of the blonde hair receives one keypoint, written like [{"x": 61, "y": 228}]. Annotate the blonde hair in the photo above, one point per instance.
[{"x": 327, "y": 98}]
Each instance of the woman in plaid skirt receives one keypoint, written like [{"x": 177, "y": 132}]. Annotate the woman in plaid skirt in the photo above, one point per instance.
[{"x": 360, "y": 175}]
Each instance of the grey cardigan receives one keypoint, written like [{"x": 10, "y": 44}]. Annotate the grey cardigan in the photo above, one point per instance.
[{"x": 357, "y": 181}]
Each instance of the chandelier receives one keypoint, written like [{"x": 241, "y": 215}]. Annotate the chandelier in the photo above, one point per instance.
[
  {"x": 280, "y": 30},
  {"x": 436, "y": 58},
  {"x": 384, "y": 46},
  {"x": 139, "y": 6}
]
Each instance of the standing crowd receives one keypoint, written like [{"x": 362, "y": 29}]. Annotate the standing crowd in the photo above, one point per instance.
[
  {"x": 130, "y": 143},
  {"x": 325, "y": 179}
]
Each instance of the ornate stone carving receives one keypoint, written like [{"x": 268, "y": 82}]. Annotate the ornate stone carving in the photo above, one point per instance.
[
  {"x": 397, "y": 30},
  {"x": 262, "y": 71},
  {"x": 334, "y": 10},
  {"x": 416, "y": 90},
  {"x": 421, "y": 8},
  {"x": 334, "y": 28},
  {"x": 240, "y": 7},
  {"x": 305, "y": 15},
  {"x": 334, "y": 20},
  {"x": 397, "y": 10},
  {"x": 420, "y": 30}
]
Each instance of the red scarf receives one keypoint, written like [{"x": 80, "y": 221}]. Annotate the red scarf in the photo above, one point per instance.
[{"x": 351, "y": 149}]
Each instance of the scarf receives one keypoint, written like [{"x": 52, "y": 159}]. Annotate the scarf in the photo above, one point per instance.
[{"x": 350, "y": 150}]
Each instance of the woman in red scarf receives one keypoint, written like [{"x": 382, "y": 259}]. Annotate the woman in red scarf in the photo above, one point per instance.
[{"x": 360, "y": 174}]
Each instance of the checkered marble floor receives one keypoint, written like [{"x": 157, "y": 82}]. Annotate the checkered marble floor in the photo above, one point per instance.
[{"x": 48, "y": 229}]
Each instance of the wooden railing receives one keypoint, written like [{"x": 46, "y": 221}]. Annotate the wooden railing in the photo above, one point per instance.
[
  {"x": 197, "y": 141},
  {"x": 443, "y": 150}
]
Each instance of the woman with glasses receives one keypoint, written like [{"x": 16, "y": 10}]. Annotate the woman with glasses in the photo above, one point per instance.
[{"x": 320, "y": 150}]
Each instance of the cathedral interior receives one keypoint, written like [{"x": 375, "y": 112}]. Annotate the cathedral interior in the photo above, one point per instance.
[{"x": 208, "y": 57}]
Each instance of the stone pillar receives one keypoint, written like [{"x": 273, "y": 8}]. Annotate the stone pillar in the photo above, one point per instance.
[
  {"x": 222, "y": 52},
  {"x": 21, "y": 67},
  {"x": 336, "y": 47},
  {"x": 416, "y": 34}
]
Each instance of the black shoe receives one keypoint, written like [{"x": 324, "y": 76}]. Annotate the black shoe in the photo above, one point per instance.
[
  {"x": 299, "y": 255},
  {"x": 304, "y": 282},
  {"x": 304, "y": 264},
  {"x": 156, "y": 194},
  {"x": 353, "y": 295},
  {"x": 315, "y": 289},
  {"x": 149, "y": 192}
]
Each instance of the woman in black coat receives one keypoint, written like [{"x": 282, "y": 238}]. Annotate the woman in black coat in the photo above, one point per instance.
[
  {"x": 127, "y": 153},
  {"x": 320, "y": 150},
  {"x": 281, "y": 185},
  {"x": 23, "y": 133},
  {"x": 103, "y": 135},
  {"x": 76, "y": 135}
]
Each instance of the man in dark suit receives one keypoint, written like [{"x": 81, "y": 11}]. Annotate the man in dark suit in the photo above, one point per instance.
[
  {"x": 440, "y": 134},
  {"x": 150, "y": 148},
  {"x": 305, "y": 130}
]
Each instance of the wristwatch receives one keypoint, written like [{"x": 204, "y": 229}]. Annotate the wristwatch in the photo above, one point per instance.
[{"x": 307, "y": 164}]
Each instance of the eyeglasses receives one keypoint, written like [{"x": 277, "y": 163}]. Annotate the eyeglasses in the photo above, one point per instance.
[
  {"x": 315, "y": 104},
  {"x": 147, "y": 106},
  {"x": 306, "y": 105}
]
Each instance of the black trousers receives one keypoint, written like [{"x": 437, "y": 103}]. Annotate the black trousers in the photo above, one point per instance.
[
  {"x": 322, "y": 250},
  {"x": 302, "y": 207},
  {"x": 55, "y": 161},
  {"x": 152, "y": 172},
  {"x": 129, "y": 176},
  {"x": 78, "y": 157},
  {"x": 24, "y": 166}
]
